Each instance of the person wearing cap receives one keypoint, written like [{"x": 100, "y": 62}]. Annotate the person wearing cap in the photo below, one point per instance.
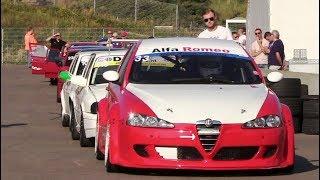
[
  {"x": 124, "y": 35},
  {"x": 56, "y": 41},
  {"x": 106, "y": 38}
]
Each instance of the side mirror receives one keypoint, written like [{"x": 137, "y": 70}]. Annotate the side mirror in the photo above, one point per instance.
[
  {"x": 78, "y": 80},
  {"x": 65, "y": 75},
  {"x": 274, "y": 77},
  {"x": 111, "y": 76}
]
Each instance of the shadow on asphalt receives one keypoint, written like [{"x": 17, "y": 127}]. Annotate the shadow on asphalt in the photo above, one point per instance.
[
  {"x": 57, "y": 117},
  {"x": 11, "y": 125},
  {"x": 301, "y": 165}
]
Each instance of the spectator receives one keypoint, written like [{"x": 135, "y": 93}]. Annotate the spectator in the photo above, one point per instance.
[
  {"x": 124, "y": 35},
  {"x": 56, "y": 41},
  {"x": 106, "y": 38},
  {"x": 258, "y": 48},
  {"x": 276, "y": 51},
  {"x": 213, "y": 30},
  {"x": 29, "y": 38},
  {"x": 242, "y": 36},
  {"x": 235, "y": 36}
]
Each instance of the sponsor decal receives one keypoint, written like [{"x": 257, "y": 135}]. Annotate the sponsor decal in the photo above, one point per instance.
[
  {"x": 190, "y": 49},
  {"x": 104, "y": 61},
  {"x": 168, "y": 49},
  {"x": 192, "y": 137}
]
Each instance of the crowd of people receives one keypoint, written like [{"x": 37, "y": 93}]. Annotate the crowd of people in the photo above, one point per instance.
[{"x": 267, "y": 49}]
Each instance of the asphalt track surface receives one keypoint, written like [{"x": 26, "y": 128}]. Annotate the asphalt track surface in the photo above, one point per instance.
[{"x": 35, "y": 146}]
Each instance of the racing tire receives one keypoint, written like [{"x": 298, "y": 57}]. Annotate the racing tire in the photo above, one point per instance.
[
  {"x": 65, "y": 120},
  {"x": 304, "y": 90},
  {"x": 111, "y": 167},
  {"x": 74, "y": 134},
  {"x": 310, "y": 126},
  {"x": 297, "y": 122},
  {"x": 108, "y": 165},
  {"x": 98, "y": 153},
  {"x": 311, "y": 109},
  {"x": 295, "y": 105},
  {"x": 287, "y": 87},
  {"x": 84, "y": 142},
  {"x": 53, "y": 81}
]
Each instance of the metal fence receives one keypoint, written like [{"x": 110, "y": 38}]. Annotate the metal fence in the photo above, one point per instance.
[{"x": 12, "y": 39}]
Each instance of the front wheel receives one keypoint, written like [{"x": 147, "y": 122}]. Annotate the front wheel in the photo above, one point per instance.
[
  {"x": 74, "y": 133},
  {"x": 53, "y": 81},
  {"x": 65, "y": 120},
  {"x": 84, "y": 142},
  {"x": 99, "y": 154},
  {"x": 109, "y": 166}
]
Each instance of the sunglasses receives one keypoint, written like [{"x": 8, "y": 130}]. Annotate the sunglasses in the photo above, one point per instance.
[
  {"x": 211, "y": 19},
  {"x": 257, "y": 33}
]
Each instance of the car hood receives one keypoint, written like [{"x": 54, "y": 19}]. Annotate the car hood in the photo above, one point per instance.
[
  {"x": 99, "y": 91},
  {"x": 229, "y": 104}
]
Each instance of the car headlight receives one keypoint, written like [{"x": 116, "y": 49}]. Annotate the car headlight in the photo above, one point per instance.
[
  {"x": 269, "y": 121},
  {"x": 139, "y": 120}
]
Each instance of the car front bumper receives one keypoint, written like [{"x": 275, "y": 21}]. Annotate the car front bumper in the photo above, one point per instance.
[{"x": 235, "y": 148}]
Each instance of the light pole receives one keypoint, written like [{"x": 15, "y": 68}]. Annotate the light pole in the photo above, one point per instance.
[
  {"x": 135, "y": 10},
  {"x": 94, "y": 6},
  {"x": 177, "y": 15}
]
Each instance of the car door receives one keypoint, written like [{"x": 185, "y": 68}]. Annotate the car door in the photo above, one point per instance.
[
  {"x": 52, "y": 63},
  {"x": 38, "y": 55}
]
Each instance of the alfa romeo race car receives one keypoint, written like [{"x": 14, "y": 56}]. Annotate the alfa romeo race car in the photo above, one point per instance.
[
  {"x": 91, "y": 89},
  {"x": 190, "y": 103}
]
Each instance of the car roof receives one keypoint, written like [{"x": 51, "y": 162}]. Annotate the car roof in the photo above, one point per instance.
[{"x": 186, "y": 44}]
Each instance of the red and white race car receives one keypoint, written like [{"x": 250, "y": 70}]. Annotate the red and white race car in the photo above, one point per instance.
[{"x": 189, "y": 103}]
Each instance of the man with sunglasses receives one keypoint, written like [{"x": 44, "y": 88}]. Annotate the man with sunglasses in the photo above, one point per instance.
[
  {"x": 213, "y": 30},
  {"x": 258, "y": 47}
]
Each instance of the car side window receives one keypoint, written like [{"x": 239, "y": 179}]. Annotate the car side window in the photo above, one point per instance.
[
  {"x": 73, "y": 64},
  {"x": 90, "y": 64},
  {"x": 124, "y": 64}
]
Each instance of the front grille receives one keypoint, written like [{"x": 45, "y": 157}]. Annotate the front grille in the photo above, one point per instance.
[
  {"x": 236, "y": 153},
  {"x": 208, "y": 136}
]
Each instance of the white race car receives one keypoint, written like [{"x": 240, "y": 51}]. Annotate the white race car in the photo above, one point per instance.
[
  {"x": 91, "y": 89},
  {"x": 68, "y": 90}
]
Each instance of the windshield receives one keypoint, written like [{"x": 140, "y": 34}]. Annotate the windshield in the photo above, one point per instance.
[
  {"x": 97, "y": 78},
  {"x": 193, "y": 68}
]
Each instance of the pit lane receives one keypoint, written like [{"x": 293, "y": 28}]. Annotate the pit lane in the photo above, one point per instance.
[{"x": 34, "y": 145}]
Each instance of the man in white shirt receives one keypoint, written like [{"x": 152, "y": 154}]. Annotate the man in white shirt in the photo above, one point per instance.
[
  {"x": 257, "y": 50},
  {"x": 213, "y": 30},
  {"x": 242, "y": 36}
]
